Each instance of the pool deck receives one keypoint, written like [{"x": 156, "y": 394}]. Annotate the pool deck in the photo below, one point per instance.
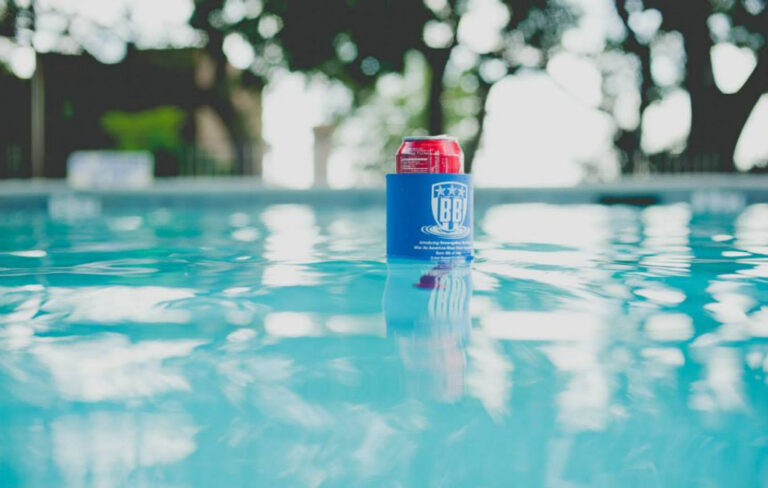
[{"x": 709, "y": 190}]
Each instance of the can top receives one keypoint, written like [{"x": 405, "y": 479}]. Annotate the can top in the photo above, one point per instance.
[{"x": 441, "y": 137}]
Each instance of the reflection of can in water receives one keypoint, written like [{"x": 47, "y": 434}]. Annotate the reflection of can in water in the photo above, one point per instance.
[
  {"x": 428, "y": 300},
  {"x": 427, "y": 313},
  {"x": 430, "y": 154}
]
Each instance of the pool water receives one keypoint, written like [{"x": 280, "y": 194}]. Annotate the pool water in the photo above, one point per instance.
[{"x": 272, "y": 345}]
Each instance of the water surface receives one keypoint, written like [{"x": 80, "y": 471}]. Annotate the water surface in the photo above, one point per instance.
[{"x": 273, "y": 346}]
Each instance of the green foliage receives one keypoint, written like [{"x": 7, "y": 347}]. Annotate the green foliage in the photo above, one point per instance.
[
  {"x": 9, "y": 13},
  {"x": 359, "y": 42},
  {"x": 461, "y": 106},
  {"x": 158, "y": 129},
  {"x": 375, "y": 129},
  {"x": 354, "y": 41}
]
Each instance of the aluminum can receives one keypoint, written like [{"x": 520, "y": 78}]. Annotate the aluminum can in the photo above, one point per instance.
[{"x": 430, "y": 154}]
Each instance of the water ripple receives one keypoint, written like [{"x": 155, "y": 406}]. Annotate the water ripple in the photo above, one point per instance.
[{"x": 586, "y": 345}]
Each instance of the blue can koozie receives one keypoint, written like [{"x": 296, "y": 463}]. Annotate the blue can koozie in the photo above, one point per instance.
[{"x": 429, "y": 216}]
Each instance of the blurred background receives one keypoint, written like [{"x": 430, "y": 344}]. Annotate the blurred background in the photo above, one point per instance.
[{"x": 306, "y": 92}]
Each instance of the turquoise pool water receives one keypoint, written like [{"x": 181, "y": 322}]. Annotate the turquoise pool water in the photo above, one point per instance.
[{"x": 271, "y": 345}]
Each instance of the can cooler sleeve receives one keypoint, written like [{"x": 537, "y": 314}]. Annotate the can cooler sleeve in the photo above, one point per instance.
[{"x": 429, "y": 216}]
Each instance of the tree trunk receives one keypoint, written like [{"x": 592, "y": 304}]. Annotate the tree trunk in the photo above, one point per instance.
[
  {"x": 474, "y": 144},
  {"x": 628, "y": 141},
  {"x": 717, "y": 119},
  {"x": 706, "y": 139},
  {"x": 220, "y": 98},
  {"x": 628, "y": 144},
  {"x": 247, "y": 104},
  {"x": 437, "y": 60},
  {"x": 221, "y": 103},
  {"x": 715, "y": 128}
]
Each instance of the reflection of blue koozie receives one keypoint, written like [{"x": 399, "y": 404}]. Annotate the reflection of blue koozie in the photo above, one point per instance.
[
  {"x": 429, "y": 216},
  {"x": 427, "y": 299},
  {"x": 426, "y": 308}
]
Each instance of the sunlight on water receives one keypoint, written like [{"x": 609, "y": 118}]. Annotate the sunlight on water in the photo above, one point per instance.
[{"x": 273, "y": 346}]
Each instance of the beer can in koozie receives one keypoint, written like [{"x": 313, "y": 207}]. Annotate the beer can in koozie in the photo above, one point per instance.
[
  {"x": 429, "y": 154},
  {"x": 429, "y": 215}
]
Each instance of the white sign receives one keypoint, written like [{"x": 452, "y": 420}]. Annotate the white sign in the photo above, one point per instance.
[{"x": 98, "y": 170}]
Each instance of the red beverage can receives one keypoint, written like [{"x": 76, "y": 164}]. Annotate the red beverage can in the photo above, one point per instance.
[{"x": 430, "y": 154}]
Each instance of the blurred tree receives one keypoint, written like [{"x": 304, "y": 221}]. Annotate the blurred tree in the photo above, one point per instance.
[
  {"x": 351, "y": 41},
  {"x": 9, "y": 12},
  {"x": 234, "y": 95},
  {"x": 717, "y": 117},
  {"x": 521, "y": 34},
  {"x": 354, "y": 41},
  {"x": 226, "y": 28},
  {"x": 358, "y": 41}
]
